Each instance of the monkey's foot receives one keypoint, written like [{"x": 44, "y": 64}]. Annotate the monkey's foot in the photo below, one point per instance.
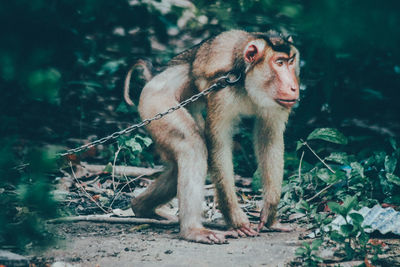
[
  {"x": 206, "y": 236},
  {"x": 158, "y": 215},
  {"x": 145, "y": 212},
  {"x": 246, "y": 230}
]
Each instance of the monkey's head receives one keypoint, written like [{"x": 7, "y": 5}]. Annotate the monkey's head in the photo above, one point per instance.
[{"x": 272, "y": 71}]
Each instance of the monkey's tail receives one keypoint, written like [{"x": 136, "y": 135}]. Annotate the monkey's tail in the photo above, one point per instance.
[{"x": 146, "y": 74}]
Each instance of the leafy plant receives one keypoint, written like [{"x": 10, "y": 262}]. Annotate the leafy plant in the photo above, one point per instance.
[
  {"x": 351, "y": 235},
  {"x": 308, "y": 254},
  {"x": 339, "y": 180}
]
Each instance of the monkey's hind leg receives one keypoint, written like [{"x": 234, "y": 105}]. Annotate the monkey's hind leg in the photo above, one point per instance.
[
  {"x": 159, "y": 192},
  {"x": 180, "y": 140}
]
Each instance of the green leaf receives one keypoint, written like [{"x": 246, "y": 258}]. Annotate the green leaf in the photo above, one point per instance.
[
  {"x": 123, "y": 108},
  {"x": 306, "y": 245},
  {"x": 357, "y": 218},
  {"x": 133, "y": 145},
  {"x": 325, "y": 176},
  {"x": 316, "y": 244},
  {"x": 328, "y": 134},
  {"x": 393, "y": 178},
  {"x": 299, "y": 145},
  {"x": 390, "y": 164},
  {"x": 380, "y": 157},
  {"x": 338, "y": 157},
  {"x": 110, "y": 67},
  {"x": 393, "y": 143},
  {"x": 349, "y": 203},
  {"x": 347, "y": 229},
  {"x": 303, "y": 205},
  {"x": 300, "y": 251},
  {"x": 317, "y": 258},
  {"x": 336, "y": 236},
  {"x": 146, "y": 140},
  {"x": 256, "y": 183},
  {"x": 357, "y": 168},
  {"x": 329, "y": 177},
  {"x": 363, "y": 238},
  {"x": 108, "y": 168},
  {"x": 336, "y": 208}
]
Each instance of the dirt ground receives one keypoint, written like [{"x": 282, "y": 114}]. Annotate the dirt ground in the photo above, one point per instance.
[{"x": 96, "y": 244}]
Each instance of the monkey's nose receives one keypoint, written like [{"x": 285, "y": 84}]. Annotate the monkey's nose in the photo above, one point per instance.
[{"x": 294, "y": 88}]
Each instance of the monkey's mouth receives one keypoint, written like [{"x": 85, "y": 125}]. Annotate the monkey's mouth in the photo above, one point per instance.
[{"x": 287, "y": 103}]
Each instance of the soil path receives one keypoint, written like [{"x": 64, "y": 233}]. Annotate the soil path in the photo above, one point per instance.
[{"x": 94, "y": 244}]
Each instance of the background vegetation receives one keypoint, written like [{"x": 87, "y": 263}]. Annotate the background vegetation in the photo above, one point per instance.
[{"x": 62, "y": 64}]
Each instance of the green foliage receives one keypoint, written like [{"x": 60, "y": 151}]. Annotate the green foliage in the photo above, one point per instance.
[
  {"x": 308, "y": 252},
  {"x": 343, "y": 182},
  {"x": 360, "y": 174},
  {"x": 129, "y": 151},
  {"x": 134, "y": 149},
  {"x": 256, "y": 184},
  {"x": 348, "y": 204},
  {"x": 26, "y": 200},
  {"x": 351, "y": 235},
  {"x": 45, "y": 85}
]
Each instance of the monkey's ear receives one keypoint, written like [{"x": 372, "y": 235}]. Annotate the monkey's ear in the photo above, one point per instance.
[
  {"x": 253, "y": 51},
  {"x": 290, "y": 39}
]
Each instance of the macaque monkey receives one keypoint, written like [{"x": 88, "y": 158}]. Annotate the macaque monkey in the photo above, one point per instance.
[{"x": 191, "y": 146}]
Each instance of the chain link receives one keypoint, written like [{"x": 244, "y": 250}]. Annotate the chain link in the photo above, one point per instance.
[{"x": 222, "y": 82}]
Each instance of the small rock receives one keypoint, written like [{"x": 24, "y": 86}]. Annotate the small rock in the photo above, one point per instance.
[
  {"x": 64, "y": 264},
  {"x": 11, "y": 259},
  {"x": 168, "y": 251}
]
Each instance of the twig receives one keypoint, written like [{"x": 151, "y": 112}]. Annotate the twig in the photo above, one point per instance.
[
  {"x": 130, "y": 220},
  {"x": 324, "y": 189},
  {"x": 320, "y": 192},
  {"x": 126, "y": 178},
  {"x": 113, "y": 169},
  {"x": 106, "y": 218},
  {"x": 301, "y": 161},
  {"x": 120, "y": 170},
  {"x": 21, "y": 166},
  {"x": 122, "y": 188},
  {"x": 315, "y": 154},
  {"x": 83, "y": 189}
]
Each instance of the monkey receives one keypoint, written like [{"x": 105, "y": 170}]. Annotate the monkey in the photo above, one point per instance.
[{"x": 192, "y": 145}]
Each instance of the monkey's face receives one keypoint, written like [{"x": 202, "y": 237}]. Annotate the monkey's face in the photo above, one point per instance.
[
  {"x": 272, "y": 78},
  {"x": 286, "y": 85}
]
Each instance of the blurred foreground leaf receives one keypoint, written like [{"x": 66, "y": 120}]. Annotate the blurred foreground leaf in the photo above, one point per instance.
[{"x": 328, "y": 134}]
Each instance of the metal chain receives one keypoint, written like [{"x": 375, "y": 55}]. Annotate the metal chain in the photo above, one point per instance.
[{"x": 222, "y": 82}]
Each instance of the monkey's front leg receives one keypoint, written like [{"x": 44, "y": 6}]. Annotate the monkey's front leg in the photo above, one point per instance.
[
  {"x": 192, "y": 170},
  {"x": 269, "y": 147},
  {"x": 219, "y": 142}
]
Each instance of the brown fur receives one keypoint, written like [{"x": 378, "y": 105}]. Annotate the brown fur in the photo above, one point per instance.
[{"x": 192, "y": 147}]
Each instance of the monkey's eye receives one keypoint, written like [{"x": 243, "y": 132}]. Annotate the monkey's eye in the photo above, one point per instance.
[
  {"x": 279, "y": 62},
  {"x": 291, "y": 61}
]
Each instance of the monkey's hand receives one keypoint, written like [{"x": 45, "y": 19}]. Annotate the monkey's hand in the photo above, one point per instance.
[
  {"x": 246, "y": 230},
  {"x": 267, "y": 216},
  {"x": 240, "y": 224},
  {"x": 206, "y": 236}
]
